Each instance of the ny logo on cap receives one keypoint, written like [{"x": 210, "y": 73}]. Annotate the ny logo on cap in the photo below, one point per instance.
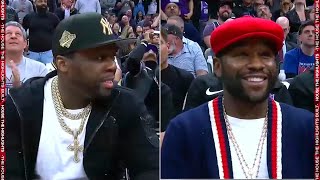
[
  {"x": 66, "y": 39},
  {"x": 105, "y": 26}
]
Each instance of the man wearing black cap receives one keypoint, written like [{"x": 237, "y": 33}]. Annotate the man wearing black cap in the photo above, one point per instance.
[
  {"x": 224, "y": 13},
  {"x": 75, "y": 123},
  {"x": 242, "y": 134}
]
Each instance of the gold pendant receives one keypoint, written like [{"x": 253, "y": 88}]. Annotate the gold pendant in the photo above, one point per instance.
[{"x": 77, "y": 148}]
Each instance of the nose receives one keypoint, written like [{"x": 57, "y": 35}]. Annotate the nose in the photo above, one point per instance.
[
  {"x": 255, "y": 63},
  {"x": 110, "y": 65}
]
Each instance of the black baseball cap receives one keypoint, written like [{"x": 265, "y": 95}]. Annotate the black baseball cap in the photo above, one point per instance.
[
  {"x": 226, "y": 2},
  {"x": 174, "y": 30},
  {"x": 82, "y": 31}
]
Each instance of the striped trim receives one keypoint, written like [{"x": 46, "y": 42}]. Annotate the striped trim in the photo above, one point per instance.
[
  {"x": 276, "y": 143},
  {"x": 219, "y": 139}
]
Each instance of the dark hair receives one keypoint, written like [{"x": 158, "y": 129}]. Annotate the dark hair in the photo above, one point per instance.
[
  {"x": 301, "y": 28},
  {"x": 164, "y": 34}
]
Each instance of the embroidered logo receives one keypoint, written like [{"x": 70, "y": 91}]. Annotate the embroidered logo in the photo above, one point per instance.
[
  {"x": 105, "y": 26},
  {"x": 66, "y": 39}
]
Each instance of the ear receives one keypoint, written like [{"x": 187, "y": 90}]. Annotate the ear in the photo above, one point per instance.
[
  {"x": 25, "y": 44},
  {"x": 62, "y": 63},
  {"x": 217, "y": 66}
]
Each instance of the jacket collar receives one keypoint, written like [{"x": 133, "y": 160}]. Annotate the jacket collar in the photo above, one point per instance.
[{"x": 29, "y": 102}]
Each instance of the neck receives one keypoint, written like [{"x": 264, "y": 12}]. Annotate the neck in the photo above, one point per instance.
[
  {"x": 220, "y": 21},
  {"x": 244, "y": 110},
  {"x": 299, "y": 7},
  {"x": 307, "y": 50},
  {"x": 71, "y": 97},
  {"x": 15, "y": 57},
  {"x": 164, "y": 65}
]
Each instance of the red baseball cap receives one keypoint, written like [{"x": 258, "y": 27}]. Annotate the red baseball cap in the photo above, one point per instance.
[{"x": 246, "y": 27}]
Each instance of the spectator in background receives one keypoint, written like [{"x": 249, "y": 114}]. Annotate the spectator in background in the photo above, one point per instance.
[
  {"x": 298, "y": 15},
  {"x": 256, "y": 4},
  {"x": 107, "y": 5},
  {"x": 52, "y": 5},
  {"x": 285, "y": 7},
  {"x": 132, "y": 22},
  {"x": 112, "y": 19},
  {"x": 139, "y": 8},
  {"x": 177, "y": 79},
  {"x": 152, "y": 7},
  {"x": 22, "y": 7},
  {"x": 224, "y": 13},
  {"x": 85, "y": 6},
  {"x": 122, "y": 6},
  {"x": 139, "y": 17},
  {"x": 116, "y": 29},
  {"x": 186, "y": 7},
  {"x": 263, "y": 11},
  {"x": 187, "y": 56},
  {"x": 171, "y": 11},
  {"x": 139, "y": 31},
  {"x": 312, "y": 16},
  {"x": 288, "y": 44},
  {"x": 301, "y": 59},
  {"x": 147, "y": 18},
  {"x": 66, "y": 10},
  {"x": 243, "y": 9},
  {"x": 301, "y": 90},
  {"x": 11, "y": 14},
  {"x": 41, "y": 25},
  {"x": 19, "y": 68}
]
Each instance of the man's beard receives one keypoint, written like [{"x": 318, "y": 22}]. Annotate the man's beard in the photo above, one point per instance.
[
  {"x": 42, "y": 9},
  {"x": 224, "y": 17},
  {"x": 235, "y": 88}
]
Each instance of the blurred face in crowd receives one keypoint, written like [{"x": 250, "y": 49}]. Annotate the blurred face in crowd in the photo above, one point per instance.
[
  {"x": 147, "y": 17},
  {"x": 68, "y": 3},
  {"x": 247, "y": 2},
  {"x": 224, "y": 12},
  {"x": 116, "y": 27},
  {"x": 41, "y": 5},
  {"x": 91, "y": 69},
  {"x": 307, "y": 36},
  {"x": 146, "y": 28},
  {"x": 300, "y": 2},
  {"x": 125, "y": 20},
  {"x": 172, "y": 9},
  {"x": 312, "y": 14},
  {"x": 155, "y": 39},
  {"x": 263, "y": 11},
  {"x": 248, "y": 70},
  {"x": 140, "y": 14},
  {"x": 286, "y": 4},
  {"x": 112, "y": 19},
  {"x": 131, "y": 35},
  {"x": 139, "y": 30},
  {"x": 14, "y": 40},
  {"x": 129, "y": 13},
  {"x": 284, "y": 23}
]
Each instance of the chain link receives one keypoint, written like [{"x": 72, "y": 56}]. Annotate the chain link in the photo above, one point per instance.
[{"x": 238, "y": 150}]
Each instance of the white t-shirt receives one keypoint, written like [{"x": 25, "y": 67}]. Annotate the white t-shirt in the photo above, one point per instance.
[
  {"x": 247, "y": 134},
  {"x": 54, "y": 160}
]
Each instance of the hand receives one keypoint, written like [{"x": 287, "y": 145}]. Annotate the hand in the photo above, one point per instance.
[
  {"x": 270, "y": 2},
  {"x": 147, "y": 35},
  {"x": 188, "y": 16},
  {"x": 15, "y": 73}
]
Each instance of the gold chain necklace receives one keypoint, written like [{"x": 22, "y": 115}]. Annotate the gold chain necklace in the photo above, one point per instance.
[
  {"x": 57, "y": 101},
  {"x": 249, "y": 172}
]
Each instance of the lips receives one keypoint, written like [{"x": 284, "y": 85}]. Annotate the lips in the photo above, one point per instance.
[
  {"x": 257, "y": 81},
  {"x": 108, "y": 82}
]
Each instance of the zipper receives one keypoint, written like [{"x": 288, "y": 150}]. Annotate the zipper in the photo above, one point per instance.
[
  {"x": 98, "y": 127},
  {"x": 22, "y": 139}
]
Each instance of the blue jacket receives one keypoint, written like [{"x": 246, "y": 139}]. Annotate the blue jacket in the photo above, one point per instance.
[{"x": 188, "y": 149}]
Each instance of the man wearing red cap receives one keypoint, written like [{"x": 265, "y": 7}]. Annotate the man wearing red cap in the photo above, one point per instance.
[{"x": 243, "y": 133}]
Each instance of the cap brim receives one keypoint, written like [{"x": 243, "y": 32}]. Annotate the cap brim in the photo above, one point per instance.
[{"x": 118, "y": 42}]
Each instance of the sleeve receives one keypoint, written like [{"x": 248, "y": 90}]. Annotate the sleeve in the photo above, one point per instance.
[
  {"x": 77, "y": 5},
  {"x": 200, "y": 62},
  {"x": 13, "y": 148},
  {"x": 43, "y": 70},
  {"x": 16, "y": 17},
  {"x": 290, "y": 63},
  {"x": 208, "y": 29},
  {"x": 192, "y": 99},
  {"x": 140, "y": 144},
  {"x": 133, "y": 62},
  {"x": 14, "y": 6},
  {"x": 173, "y": 163}
]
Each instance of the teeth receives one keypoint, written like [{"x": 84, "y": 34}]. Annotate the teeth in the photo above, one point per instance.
[{"x": 255, "y": 79}]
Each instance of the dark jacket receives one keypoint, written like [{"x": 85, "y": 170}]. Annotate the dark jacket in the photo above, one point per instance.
[
  {"x": 207, "y": 87},
  {"x": 11, "y": 14},
  {"x": 301, "y": 90},
  {"x": 294, "y": 19},
  {"x": 60, "y": 12},
  {"x": 117, "y": 131}
]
